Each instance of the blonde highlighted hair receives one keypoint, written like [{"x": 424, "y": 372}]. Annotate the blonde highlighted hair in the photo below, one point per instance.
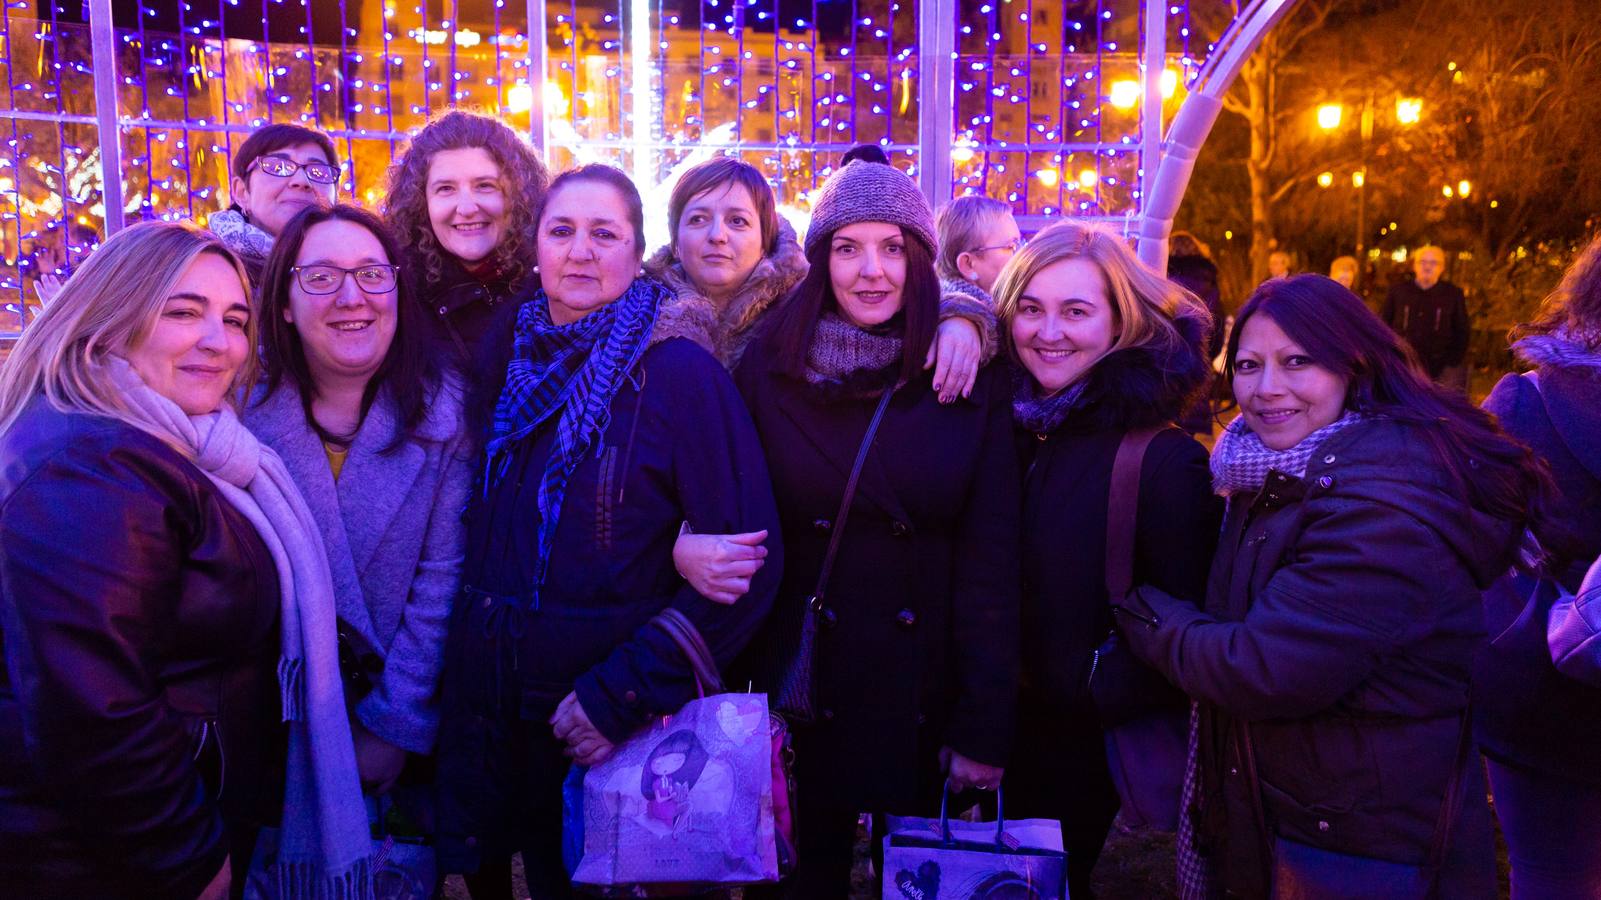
[
  {"x": 961, "y": 225},
  {"x": 109, "y": 306},
  {"x": 1145, "y": 306}
]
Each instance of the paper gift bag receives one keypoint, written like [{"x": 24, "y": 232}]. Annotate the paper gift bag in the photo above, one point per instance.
[{"x": 938, "y": 859}]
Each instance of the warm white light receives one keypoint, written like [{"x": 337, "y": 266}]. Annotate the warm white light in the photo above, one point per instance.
[
  {"x": 1125, "y": 94},
  {"x": 1408, "y": 110},
  {"x": 1448, "y": 191},
  {"x": 1089, "y": 178},
  {"x": 1329, "y": 116},
  {"x": 1325, "y": 179},
  {"x": 1358, "y": 179},
  {"x": 1464, "y": 187},
  {"x": 1048, "y": 177},
  {"x": 1170, "y": 83}
]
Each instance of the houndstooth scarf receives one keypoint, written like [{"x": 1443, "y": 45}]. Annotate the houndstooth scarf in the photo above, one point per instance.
[{"x": 1241, "y": 461}]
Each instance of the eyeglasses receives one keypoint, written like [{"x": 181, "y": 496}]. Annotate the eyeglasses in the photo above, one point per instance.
[
  {"x": 1013, "y": 245},
  {"x": 322, "y": 173},
  {"x": 373, "y": 279}
]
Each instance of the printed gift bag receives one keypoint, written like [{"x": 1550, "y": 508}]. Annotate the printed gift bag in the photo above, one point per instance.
[
  {"x": 938, "y": 859},
  {"x": 685, "y": 806}
]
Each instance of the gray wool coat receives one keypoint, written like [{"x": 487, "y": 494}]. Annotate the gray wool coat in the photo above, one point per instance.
[{"x": 393, "y": 529}]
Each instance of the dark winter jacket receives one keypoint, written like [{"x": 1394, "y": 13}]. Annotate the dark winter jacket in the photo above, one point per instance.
[
  {"x": 917, "y": 645},
  {"x": 1067, "y": 483},
  {"x": 138, "y": 630},
  {"x": 1528, "y": 714},
  {"x": 464, "y": 307},
  {"x": 1339, "y": 631},
  {"x": 1434, "y": 322}
]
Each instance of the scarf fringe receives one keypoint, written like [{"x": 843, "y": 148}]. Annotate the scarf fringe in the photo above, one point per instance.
[
  {"x": 292, "y": 688},
  {"x": 304, "y": 880}
]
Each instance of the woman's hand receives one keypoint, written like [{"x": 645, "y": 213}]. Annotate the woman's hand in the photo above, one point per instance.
[
  {"x": 954, "y": 357},
  {"x": 585, "y": 744},
  {"x": 47, "y": 287},
  {"x": 218, "y": 888},
  {"x": 964, "y": 773},
  {"x": 720, "y": 566},
  {"x": 378, "y": 761}
]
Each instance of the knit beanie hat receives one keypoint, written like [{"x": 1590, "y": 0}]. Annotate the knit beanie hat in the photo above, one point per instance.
[{"x": 870, "y": 192}]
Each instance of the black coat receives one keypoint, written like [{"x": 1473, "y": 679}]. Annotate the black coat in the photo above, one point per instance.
[
  {"x": 1340, "y": 626},
  {"x": 1529, "y": 714},
  {"x": 464, "y": 308},
  {"x": 918, "y": 646},
  {"x": 138, "y": 621},
  {"x": 1433, "y": 322}
]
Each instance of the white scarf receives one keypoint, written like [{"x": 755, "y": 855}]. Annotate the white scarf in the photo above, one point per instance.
[{"x": 325, "y": 839}]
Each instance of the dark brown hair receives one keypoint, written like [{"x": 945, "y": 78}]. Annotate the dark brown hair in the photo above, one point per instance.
[
  {"x": 600, "y": 173},
  {"x": 279, "y": 136},
  {"x": 1576, "y": 302},
  {"x": 796, "y": 320},
  {"x": 719, "y": 172},
  {"x": 409, "y": 370}
]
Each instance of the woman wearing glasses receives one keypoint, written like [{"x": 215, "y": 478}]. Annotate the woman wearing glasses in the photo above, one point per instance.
[
  {"x": 371, "y": 432},
  {"x": 278, "y": 171}
]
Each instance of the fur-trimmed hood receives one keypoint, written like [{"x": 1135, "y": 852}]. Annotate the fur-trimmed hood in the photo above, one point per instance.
[
  {"x": 963, "y": 286},
  {"x": 1558, "y": 350},
  {"x": 725, "y": 332},
  {"x": 1143, "y": 386}
]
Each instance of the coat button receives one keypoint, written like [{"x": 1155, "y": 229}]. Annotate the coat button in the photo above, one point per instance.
[
  {"x": 900, "y": 529},
  {"x": 822, "y": 526},
  {"x": 443, "y": 310},
  {"x": 1329, "y": 458},
  {"x": 1322, "y": 826},
  {"x": 630, "y": 698},
  {"x": 906, "y": 618},
  {"x": 1326, "y": 482},
  {"x": 488, "y": 602},
  {"x": 828, "y": 715},
  {"x": 827, "y": 617}
]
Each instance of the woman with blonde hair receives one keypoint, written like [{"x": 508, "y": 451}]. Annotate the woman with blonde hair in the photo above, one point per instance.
[
  {"x": 1107, "y": 352},
  {"x": 165, "y": 599}
]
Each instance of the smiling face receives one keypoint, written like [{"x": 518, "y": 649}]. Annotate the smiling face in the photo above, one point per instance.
[
  {"x": 1064, "y": 323},
  {"x": 719, "y": 239},
  {"x": 587, "y": 250},
  {"x": 198, "y": 344},
  {"x": 1282, "y": 393},
  {"x": 867, "y": 270},
  {"x": 272, "y": 200},
  {"x": 345, "y": 334},
  {"x": 466, "y": 202},
  {"x": 999, "y": 244}
]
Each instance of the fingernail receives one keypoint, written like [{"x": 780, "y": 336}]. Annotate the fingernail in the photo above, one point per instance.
[{"x": 936, "y": 385}]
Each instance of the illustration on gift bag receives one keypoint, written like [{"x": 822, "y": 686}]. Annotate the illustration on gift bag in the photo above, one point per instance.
[{"x": 938, "y": 859}]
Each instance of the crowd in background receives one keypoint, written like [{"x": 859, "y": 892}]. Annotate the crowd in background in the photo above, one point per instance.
[{"x": 314, "y": 504}]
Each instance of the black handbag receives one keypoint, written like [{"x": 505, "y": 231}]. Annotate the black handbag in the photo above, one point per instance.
[{"x": 794, "y": 691}]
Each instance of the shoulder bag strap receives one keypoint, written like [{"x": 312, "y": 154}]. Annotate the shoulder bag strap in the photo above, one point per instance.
[
  {"x": 1121, "y": 508},
  {"x": 845, "y": 502},
  {"x": 688, "y": 638}
]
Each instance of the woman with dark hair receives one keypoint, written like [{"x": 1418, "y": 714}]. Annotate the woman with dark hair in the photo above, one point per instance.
[
  {"x": 373, "y": 434},
  {"x": 916, "y": 655},
  {"x": 1367, "y": 508},
  {"x": 731, "y": 264},
  {"x": 600, "y": 445},
  {"x": 461, "y": 201},
  {"x": 279, "y": 170},
  {"x": 1104, "y": 347},
  {"x": 1540, "y": 729}
]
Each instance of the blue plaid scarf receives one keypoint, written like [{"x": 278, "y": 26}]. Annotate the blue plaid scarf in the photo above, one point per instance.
[{"x": 576, "y": 370}]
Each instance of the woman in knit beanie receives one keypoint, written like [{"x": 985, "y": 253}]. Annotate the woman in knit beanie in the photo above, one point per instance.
[{"x": 915, "y": 664}]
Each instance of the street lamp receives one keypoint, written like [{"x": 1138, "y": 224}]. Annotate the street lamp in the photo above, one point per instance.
[
  {"x": 1463, "y": 187},
  {"x": 1325, "y": 179},
  {"x": 1329, "y": 116},
  {"x": 1408, "y": 110},
  {"x": 1359, "y": 178},
  {"x": 1125, "y": 94}
]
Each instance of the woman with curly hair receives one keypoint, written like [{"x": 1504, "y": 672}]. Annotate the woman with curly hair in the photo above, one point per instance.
[{"x": 461, "y": 201}]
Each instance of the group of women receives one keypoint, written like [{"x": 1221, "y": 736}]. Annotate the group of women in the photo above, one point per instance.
[{"x": 321, "y": 503}]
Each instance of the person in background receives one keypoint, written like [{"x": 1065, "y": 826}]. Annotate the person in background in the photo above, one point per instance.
[
  {"x": 1103, "y": 345},
  {"x": 1280, "y": 264},
  {"x": 461, "y": 202},
  {"x": 374, "y": 434},
  {"x": 977, "y": 236},
  {"x": 1367, "y": 509},
  {"x": 279, "y": 170},
  {"x": 600, "y": 445},
  {"x": 915, "y": 670},
  {"x": 866, "y": 153},
  {"x": 1541, "y": 730},
  {"x": 1343, "y": 270},
  {"x": 1190, "y": 266},
  {"x": 166, "y": 611},
  {"x": 1431, "y": 316}
]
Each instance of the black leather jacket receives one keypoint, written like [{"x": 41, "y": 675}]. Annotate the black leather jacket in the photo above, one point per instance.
[{"x": 138, "y": 700}]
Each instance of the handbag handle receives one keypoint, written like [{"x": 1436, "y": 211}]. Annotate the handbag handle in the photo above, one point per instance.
[
  {"x": 693, "y": 646},
  {"x": 815, "y": 601},
  {"x": 1122, "y": 505},
  {"x": 945, "y": 818}
]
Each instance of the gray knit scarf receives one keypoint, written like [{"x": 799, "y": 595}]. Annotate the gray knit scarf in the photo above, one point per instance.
[
  {"x": 1240, "y": 462},
  {"x": 842, "y": 352}
]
